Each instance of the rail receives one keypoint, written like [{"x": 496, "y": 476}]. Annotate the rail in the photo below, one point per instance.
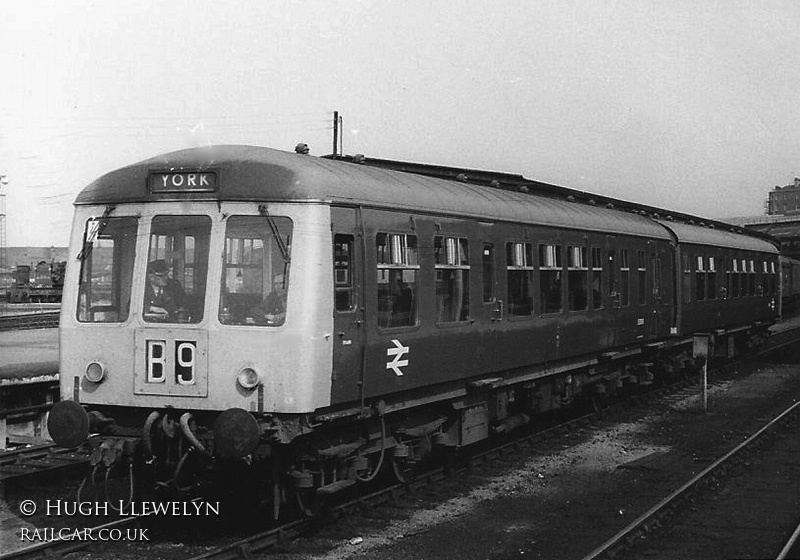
[{"x": 790, "y": 545}]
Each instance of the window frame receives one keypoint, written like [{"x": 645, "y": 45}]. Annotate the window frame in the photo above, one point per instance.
[
  {"x": 575, "y": 272},
  {"x": 624, "y": 278},
  {"x": 597, "y": 272},
  {"x": 124, "y": 257},
  {"x": 398, "y": 258},
  {"x": 248, "y": 308},
  {"x": 455, "y": 250},
  {"x": 548, "y": 252},
  {"x": 641, "y": 276},
  {"x": 519, "y": 261}
]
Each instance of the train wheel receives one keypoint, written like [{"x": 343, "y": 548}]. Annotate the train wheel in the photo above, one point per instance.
[
  {"x": 407, "y": 456},
  {"x": 403, "y": 469}
]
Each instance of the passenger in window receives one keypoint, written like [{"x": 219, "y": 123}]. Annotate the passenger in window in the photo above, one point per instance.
[
  {"x": 271, "y": 311},
  {"x": 164, "y": 296},
  {"x": 403, "y": 303},
  {"x": 578, "y": 294}
]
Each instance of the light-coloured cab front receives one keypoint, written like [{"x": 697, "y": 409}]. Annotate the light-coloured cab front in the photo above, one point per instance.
[{"x": 199, "y": 306}]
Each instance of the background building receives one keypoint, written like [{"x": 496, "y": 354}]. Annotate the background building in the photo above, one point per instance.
[{"x": 784, "y": 200}]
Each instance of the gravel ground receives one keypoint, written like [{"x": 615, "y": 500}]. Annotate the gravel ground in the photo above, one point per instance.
[{"x": 566, "y": 498}]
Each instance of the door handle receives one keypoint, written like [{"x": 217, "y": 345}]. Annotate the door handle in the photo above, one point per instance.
[{"x": 498, "y": 310}]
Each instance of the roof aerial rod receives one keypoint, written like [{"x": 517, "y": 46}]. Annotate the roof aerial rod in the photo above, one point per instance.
[
  {"x": 341, "y": 137},
  {"x": 335, "y": 133}
]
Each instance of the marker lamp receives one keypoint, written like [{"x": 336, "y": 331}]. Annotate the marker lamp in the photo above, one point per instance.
[
  {"x": 95, "y": 372},
  {"x": 247, "y": 378}
]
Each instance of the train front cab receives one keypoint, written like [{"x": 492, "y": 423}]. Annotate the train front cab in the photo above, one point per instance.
[{"x": 224, "y": 348}]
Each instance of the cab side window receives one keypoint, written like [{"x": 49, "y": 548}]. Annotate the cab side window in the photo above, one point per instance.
[{"x": 344, "y": 293}]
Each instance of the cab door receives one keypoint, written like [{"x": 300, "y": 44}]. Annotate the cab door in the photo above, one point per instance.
[{"x": 348, "y": 304}]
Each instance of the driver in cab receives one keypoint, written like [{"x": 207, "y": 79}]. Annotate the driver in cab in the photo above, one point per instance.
[{"x": 163, "y": 298}]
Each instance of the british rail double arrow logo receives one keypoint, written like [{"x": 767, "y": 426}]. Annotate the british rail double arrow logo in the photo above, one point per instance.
[{"x": 398, "y": 352}]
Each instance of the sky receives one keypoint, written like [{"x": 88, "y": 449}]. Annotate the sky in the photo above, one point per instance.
[{"x": 689, "y": 105}]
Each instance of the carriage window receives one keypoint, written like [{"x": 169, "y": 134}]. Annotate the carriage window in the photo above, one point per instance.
[
  {"x": 255, "y": 270},
  {"x": 743, "y": 278},
  {"x": 711, "y": 279},
  {"x": 398, "y": 266},
  {"x": 488, "y": 272},
  {"x": 109, "y": 251},
  {"x": 752, "y": 279},
  {"x": 519, "y": 276},
  {"x": 451, "y": 260},
  {"x": 687, "y": 278},
  {"x": 550, "y": 277},
  {"x": 177, "y": 262},
  {"x": 344, "y": 294},
  {"x": 733, "y": 278},
  {"x": 700, "y": 279},
  {"x": 577, "y": 278},
  {"x": 624, "y": 278},
  {"x": 597, "y": 277},
  {"x": 641, "y": 279}
]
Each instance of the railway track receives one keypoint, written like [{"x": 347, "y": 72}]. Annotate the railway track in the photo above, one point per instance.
[
  {"x": 38, "y": 460},
  {"x": 753, "y": 485},
  {"x": 30, "y": 321},
  {"x": 72, "y": 542}
]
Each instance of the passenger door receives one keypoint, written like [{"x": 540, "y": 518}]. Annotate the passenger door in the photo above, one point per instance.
[
  {"x": 659, "y": 289},
  {"x": 348, "y": 304},
  {"x": 614, "y": 302},
  {"x": 492, "y": 308}
]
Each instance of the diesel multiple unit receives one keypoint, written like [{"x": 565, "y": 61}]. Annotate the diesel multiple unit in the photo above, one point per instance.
[{"x": 329, "y": 318}]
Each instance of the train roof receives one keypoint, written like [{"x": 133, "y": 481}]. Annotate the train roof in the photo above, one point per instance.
[
  {"x": 248, "y": 173},
  {"x": 258, "y": 174},
  {"x": 694, "y": 234}
]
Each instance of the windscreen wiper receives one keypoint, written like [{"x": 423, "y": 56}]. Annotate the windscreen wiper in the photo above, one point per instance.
[
  {"x": 284, "y": 249},
  {"x": 88, "y": 243}
]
